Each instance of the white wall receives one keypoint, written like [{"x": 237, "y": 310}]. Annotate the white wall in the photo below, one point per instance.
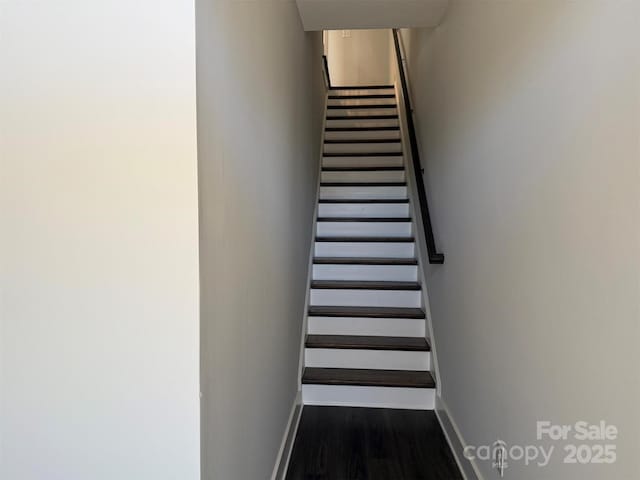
[
  {"x": 529, "y": 121},
  {"x": 99, "y": 245},
  {"x": 361, "y": 58},
  {"x": 260, "y": 91}
]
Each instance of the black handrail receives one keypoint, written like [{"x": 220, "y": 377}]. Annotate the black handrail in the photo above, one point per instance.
[
  {"x": 326, "y": 70},
  {"x": 434, "y": 256}
]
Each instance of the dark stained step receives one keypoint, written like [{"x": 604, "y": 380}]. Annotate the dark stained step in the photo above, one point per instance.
[
  {"x": 364, "y": 117},
  {"x": 367, "y": 377},
  {"x": 362, "y": 154},
  {"x": 361, "y": 87},
  {"x": 364, "y": 261},
  {"x": 365, "y": 219},
  {"x": 361, "y": 129},
  {"x": 405, "y": 344},
  {"x": 362, "y": 169},
  {"x": 363, "y": 285},
  {"x": 355, "y": 107},
  {"x": 370, "y": 95},
  {"x": 367, "y": 312},
  {"x": 363, "y": 184},
  {"x": 363, "y": 200},
  {"x": 367, "y": 239},
  {"x": 373, "y": 140}
]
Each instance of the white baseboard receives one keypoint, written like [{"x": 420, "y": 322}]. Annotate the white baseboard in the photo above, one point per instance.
[
  {"x": 469, "y": 468},
  {"x": 284, "y": 454}
]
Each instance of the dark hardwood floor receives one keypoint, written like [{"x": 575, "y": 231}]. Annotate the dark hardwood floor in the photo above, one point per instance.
[{"x": 342, "y": 443}]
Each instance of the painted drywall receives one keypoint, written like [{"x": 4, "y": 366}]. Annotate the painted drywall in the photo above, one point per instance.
[
  {"x": 358, "y": 57},
  {"x": 99, "y": 314},
  {"x": 336, "y": 14},
  {"x": 260, "y": 96},
  {"x": 529, "y": 122}
]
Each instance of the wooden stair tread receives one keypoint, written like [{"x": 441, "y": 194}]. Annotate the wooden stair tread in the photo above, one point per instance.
[
  {"x": 364, "y": 261},
  {"x": 367, "y": 107},
  {"x": 366, "y": 95},
  {"x": 365, "y": 219},
  {"x": 362, "y": 154},
  {"x": 363, "y": 184},
  {"x": 361, "y": 87},
  {"x": 367, "y": 239},
  {"x": 367, "y": 377},
  {"x": 363, "y": 117},
  {"x": 362, "y": 169},
  {"x": 363, "y": 285},
  {"x": 361, "y": 129},
  {"x": 363, "y": 140},
  {"x": 363, "y": 200},
  {"x": 406, "y": 344},
  {"x": 368, "y": 312}
]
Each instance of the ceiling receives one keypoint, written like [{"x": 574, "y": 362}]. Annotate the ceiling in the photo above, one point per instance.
[{"x": 353, "y": 14}]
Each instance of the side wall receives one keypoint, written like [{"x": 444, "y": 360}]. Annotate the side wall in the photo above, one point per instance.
[
  {"x": 362, "y": 58},
  {"x": 529, "y": 119},
  {"x": 260, "y": 94},
  {"x": 99, "y": 243}
]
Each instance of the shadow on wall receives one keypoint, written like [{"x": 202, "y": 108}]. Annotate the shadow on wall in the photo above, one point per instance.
[{"x": 260, "y": 104}]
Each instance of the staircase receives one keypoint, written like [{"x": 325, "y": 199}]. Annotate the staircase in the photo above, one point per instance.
[{"x": 366, "y": 331}]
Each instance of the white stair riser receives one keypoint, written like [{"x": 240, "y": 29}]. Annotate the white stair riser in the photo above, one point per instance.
[
  {"x": 366, "y": 298},
  {"x": 391, "y": 147},
  {"x": 363, "y": 123},
  {"x": 373, "y": 176},
  {"x": 363, "y": 91},
  {"x": 361, "y": 101},
  {"x": 388, "y": 273},
  {"x": 357, "y": 162},
  {"x": 363, "y": 229},
  {"x": 363, "y": 135},
  {"x": 373, "y": 359},
  {"x": 381, "y": 397},
  {"x": 365, "y": 249},
  {"x": 363, "y": 210},
  {"x": 362, "y": 192},
  {"x": 385, "y": 327},
  {"x": 360, "y": 112}
]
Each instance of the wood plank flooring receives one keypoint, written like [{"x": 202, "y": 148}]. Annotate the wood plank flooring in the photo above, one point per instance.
[{"x": 342, "y": 443}]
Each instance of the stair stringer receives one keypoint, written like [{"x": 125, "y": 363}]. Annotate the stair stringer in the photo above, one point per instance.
[
  {"x": 303, "y": 333},
  {"x": 420, "y": 240}
]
